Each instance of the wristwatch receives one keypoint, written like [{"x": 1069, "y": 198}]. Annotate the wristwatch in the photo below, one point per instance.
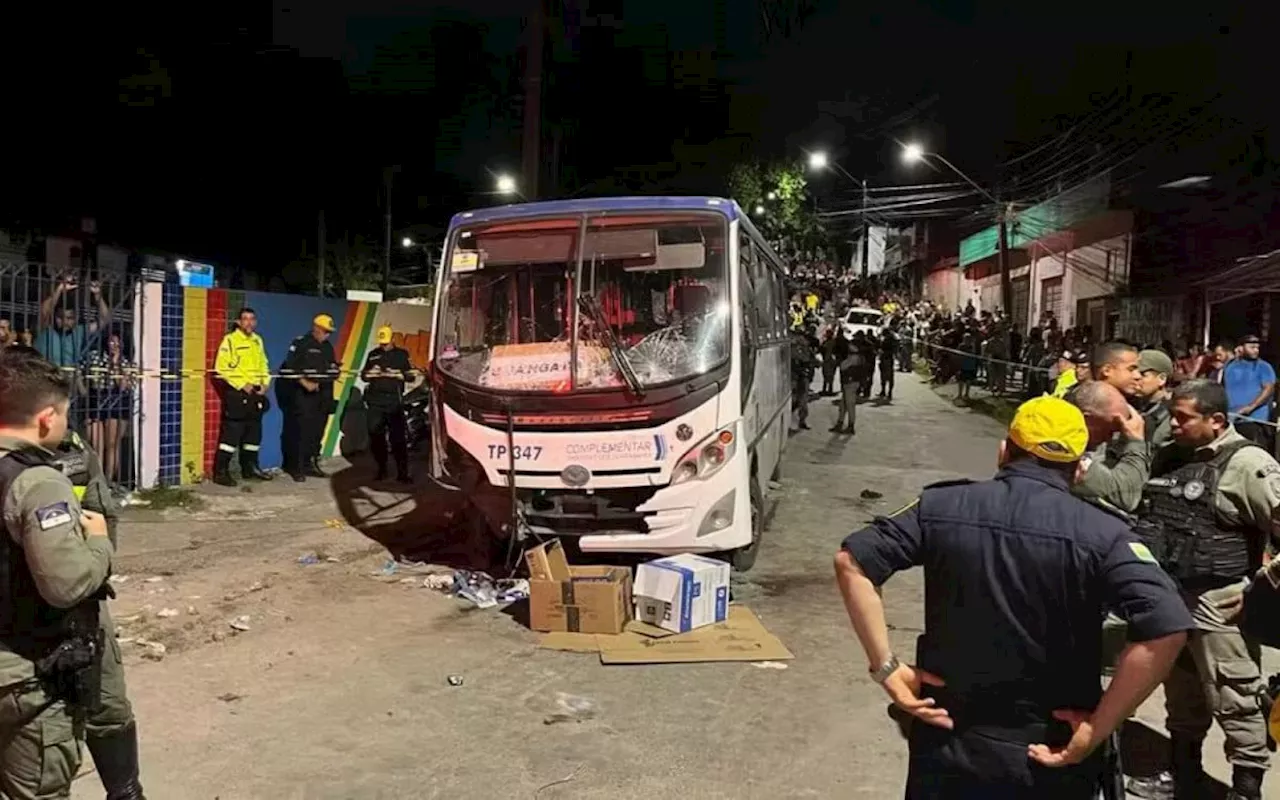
[{"x": 886, "y": 669}]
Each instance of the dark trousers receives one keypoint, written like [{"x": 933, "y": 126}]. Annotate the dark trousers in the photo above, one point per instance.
[
  {"x": 983, "y": 764},
  {"x": 886, "y": 376},
  {"x": 240, "y": 429},
  {"x": 384, "y": 424},
  {"x": 1258, "y": 433},
  {"x": 304, "y": 421}
]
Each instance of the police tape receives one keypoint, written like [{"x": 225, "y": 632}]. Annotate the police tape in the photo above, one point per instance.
[
  {"x": 980, "y": 357},
  {"x": 129, "y": 373}
]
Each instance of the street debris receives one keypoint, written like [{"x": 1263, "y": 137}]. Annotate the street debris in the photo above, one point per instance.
[
  {"x": 192, "y": 610},
  {"x": 870, "y": 494},
  {"x": 440, "y": 582},
  {"x": 455, "y": 680},
  {"x": 166, "y": 613},
  {"x": 769, "y": 664},
  {"x": 118, "y": 579},
  {"x": 599, "y": 594},
  {"x": 681, "y": 593},
  {"x": 308, "y": 559},
  {"x": 152, "y": 651},
  {"x": 571, "y": 708},
  {"x": 566, "y": 779},
  {"x": 336, "y": 524},
  {"x": 230, "y": 697},
  {"x": 476, "y": 587},
  {"x": 333, "y": 559},
  {"x": 240, "y": 623},
  {"x": 154, "y": 579}
]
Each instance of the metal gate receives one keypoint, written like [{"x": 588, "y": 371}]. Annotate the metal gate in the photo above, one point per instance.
[{"x": 83, "y": 321}]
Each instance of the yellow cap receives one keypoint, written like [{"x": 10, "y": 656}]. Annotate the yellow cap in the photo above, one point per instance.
[
  {"x": 323, "y": 322},
  {"x": 1050, "y": 428},
  {"x": 384, "y": 334}
]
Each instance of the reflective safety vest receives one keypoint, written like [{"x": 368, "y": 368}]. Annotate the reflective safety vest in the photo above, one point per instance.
[{"x": 242, "y": 360}]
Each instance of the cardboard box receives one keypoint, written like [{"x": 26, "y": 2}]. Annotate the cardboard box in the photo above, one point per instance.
[
  {"x": 575, "y": 599},
  {"x": 680, "y": 593}
]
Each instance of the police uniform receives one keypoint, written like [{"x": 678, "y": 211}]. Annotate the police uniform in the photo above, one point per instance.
[
  {"x": 1115, "y": 474},
  {"x": 111, "y": 732},
  {"x": 41, "y": 727},
  {"x": 242, "y": 366},
  {"x": 384, "y": 399},
  {"x": 1207, "y": 515},
  {"x": 1017, "y": 575},
  {"x": 305, "y": 412}
]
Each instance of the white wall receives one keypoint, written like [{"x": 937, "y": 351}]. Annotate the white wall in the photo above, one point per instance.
[{"x": 1097, "y": 270}]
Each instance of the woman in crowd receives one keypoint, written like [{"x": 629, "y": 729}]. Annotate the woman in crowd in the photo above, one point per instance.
[{"x": 111, "y": 378}]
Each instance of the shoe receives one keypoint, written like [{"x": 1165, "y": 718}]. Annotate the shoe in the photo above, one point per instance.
[
  {"x": 298, "y": 477},
  {"x": 224, "y": 479},
  {"x": 380, "y": 475},
  {"x": 252, "y": 472},
  {"x": 314, "y": 471},
  {"x": 115, "y": 757},
  {"x": 804, "y": 426},
  {"x": 1155, "y": 787},
  {"x": 835, "y": 429}
]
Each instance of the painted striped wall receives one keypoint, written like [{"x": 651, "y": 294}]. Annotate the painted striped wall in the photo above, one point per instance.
[{"x": 180, "y": 432}]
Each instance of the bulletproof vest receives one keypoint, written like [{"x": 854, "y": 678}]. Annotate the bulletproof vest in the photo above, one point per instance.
[
  {"x": 73, "y": 461},
  {"x": 1178, "y": 522},
  {"x": 29, "y": 626}
]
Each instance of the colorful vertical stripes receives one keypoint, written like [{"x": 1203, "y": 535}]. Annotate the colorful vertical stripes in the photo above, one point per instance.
[
  {"x": 194, "y": 352},
  {"x": 353, "y": 339}
]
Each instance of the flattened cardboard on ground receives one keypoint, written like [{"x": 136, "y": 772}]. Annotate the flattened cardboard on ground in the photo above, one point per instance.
[
  {"x": 588, "y": 642},
  {"x": 741, "y": 637},
  {"x": 573, "y": 599}
]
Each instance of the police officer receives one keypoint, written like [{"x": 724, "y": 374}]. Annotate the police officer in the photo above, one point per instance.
[
  {"x": 1152, "y": 396},
  {"x": 310, "y": 367},
  {"x": 241, "y": 365},
  {"x": 1117, "y": 464},
  {"x": 386, "y": 369},
  {"x": 1207, "y": 513},
  {"x": 56, "y": 562},
  {"x": 1017, "y": 572},
  {"x": 804, "y": 359},
  {"x": 110, "y": 733}
]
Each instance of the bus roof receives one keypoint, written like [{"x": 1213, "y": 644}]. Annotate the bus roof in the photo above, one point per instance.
[{"x": 726, "y": 207}]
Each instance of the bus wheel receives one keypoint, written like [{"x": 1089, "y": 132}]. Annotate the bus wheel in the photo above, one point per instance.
[{"x": 744, "y": 558}]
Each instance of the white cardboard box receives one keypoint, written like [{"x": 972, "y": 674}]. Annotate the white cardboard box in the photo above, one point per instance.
[{"x": 680, "y": 593}]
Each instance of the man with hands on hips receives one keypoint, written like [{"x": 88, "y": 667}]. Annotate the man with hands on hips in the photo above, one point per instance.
[{"x": 1005, "y": 693}]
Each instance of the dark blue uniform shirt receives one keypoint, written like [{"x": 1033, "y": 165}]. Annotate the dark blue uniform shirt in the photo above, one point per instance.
[{"x": 1018, "y": 574}]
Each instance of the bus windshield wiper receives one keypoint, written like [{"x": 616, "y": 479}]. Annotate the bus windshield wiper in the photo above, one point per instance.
[{"x": 590, "y": 306}]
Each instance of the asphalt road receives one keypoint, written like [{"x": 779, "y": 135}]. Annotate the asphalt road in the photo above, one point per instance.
[{"x": 341, "y": 689}]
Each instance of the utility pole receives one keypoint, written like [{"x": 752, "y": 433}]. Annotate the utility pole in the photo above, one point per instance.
[
  {"x": 866, "y": 232},
  {"x": 386, "y": 244},
  {"x": 531, "y": 145},
  {"x": 322, "y": 244},
  {"x": 1002, "y": 259}
]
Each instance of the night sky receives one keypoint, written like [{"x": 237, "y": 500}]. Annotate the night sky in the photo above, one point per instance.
[{"x": 220, "y": 135}]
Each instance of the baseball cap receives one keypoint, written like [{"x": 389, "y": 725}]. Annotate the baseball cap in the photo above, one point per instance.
[
  {"x": 1081, "y": 357},
  {"x": 1155, "y": 361},
  {"x": 1050, "y": 428},
  {"x": 324, "y": 322},
  {"x": 1250, "y": 339},
  {"x": 384, "y": 334}
]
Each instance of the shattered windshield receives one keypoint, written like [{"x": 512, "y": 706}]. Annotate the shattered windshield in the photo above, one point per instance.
[{"x": 651, "y": 299}]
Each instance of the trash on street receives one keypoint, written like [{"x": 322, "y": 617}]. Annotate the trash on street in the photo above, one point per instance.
[{"x": 575, "y": 599}]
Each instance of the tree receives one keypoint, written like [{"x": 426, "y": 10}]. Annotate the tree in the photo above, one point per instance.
[{"x": 777, "y": 199}]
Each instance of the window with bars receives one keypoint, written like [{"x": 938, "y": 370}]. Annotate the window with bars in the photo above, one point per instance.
[{"x": 1051, "y": 297}]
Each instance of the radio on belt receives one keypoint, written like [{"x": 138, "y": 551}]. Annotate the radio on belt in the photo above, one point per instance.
[{"x": 680, "y": 593}]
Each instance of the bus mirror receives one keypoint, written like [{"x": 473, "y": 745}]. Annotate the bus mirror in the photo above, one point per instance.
[{"x": 676, "y": 256}]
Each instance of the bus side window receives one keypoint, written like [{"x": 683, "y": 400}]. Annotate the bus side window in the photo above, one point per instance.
[
  {"x": 766, "y": 297},
  {"x": 751, "y": 330}
]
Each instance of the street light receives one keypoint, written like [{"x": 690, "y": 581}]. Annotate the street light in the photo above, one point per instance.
[
  {"x": 914, "y": 152},
  {"x": 771, "y": 196},
  {"x": 818, "y": 160},
  {"x": 759, "y": 210},
  {"x": 406, "y": 242},
  {"x": 506, "y": 184}
]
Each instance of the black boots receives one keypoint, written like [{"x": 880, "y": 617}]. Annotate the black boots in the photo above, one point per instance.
[
  {"x": 115, "y": 756},
  {"x": 313, "y": 469},
  {"x": 1246, "y": 783},
  {"x": 1188, "y": 774},
  {"x": 222, "y": 469}
]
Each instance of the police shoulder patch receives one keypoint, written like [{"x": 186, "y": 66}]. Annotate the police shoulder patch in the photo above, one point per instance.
[
  {"x": 1142, "y": 552},
  {"x": 53, "y": 515}
]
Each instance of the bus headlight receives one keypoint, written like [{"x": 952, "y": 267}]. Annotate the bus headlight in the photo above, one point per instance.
[
  {"x": 706, "y": 457},
  {"x": 720, "y": 516}
]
